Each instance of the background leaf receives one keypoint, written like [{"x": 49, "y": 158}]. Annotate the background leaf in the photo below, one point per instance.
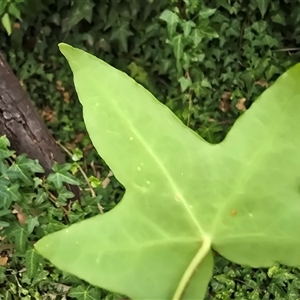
[
  {"x": 263, "y": 6},
  {"x": 32, "y": 262},
  {"x": 84, "y": 293}
]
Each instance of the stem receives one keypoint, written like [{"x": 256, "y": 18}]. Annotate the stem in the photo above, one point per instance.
[
  {"x": 191, "y": 269},
  {"x": 93, "y": 194}
]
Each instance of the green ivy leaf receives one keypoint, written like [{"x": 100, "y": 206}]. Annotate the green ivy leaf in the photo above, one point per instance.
[
  {"x": 32, "y": 259},
  {"x": 185, "y": 83},
  {"x": 177, "y": 43},
  {"x": 32, "y": 222},
  {"x": 63, "y": 195},
  {"x": 94, "y": 181},
  {"x": 14, "y": 11},
  {"x": 19, "y": 234},
  {"x": 8, "y": 193},
  {"x": 6, "y": 23},
  {"x": 26, "y": 163},
  {"x": 172, "y": 19},
  {"x": 121, "y": 35},
  {"x": 187, "y": 27},
  {"x": 4, "y": 144},
  {"x": 79, "y": 11},
  {"x": 21, "y": 171},
  {"x": 61, "y": 175},
  {"x": 82, "y": 293},
  {"x": 41, "y": 197},
  {"x": 206, "y": 12},
  {"x": 7, "y": 296},
  {"x": 52, "y": 226},
  {"x": 77, "y": 155},
  {"x": 138, "y": 73},
  {"x": 263, "y": 6},
  {"x": 4, "y": 224},
  {"x": 4, "y": 212},
  {"x": 184, "y": 196}
]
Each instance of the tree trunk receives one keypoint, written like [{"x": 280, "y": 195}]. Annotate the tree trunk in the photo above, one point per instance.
[{"x": 22, "y": 125}]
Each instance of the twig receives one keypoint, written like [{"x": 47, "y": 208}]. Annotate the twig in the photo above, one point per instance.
[
  {"x": 53, "y": 199},
  {"x": 286, "y": 49},
  {"x": 93, "y": 194}
]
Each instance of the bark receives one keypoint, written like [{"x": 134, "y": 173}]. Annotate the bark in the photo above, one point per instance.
[{"x": 22, "y": 125}]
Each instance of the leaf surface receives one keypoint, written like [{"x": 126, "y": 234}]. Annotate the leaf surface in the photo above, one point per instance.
[
  {"x": 263, "y": 6},
  {"x": 183, "y": 196},
  {"x": 32, "y": 262}
]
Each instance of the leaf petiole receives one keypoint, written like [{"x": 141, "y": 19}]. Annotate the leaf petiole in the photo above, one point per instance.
[{"x": 192, "y": 268}]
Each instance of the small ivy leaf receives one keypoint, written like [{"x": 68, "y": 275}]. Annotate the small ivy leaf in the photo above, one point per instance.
[
  {"x": 28, "y": 197},
  {"x": 172, "y": 19},
  {"x": 5, "y": 202},
  {"x": 21, "y": 173},
  {"x": 4, "y": 212},
  {"x": 185, "y": 83},
  {"x": 63, "y": 196},
  {"x": 37, "y": 182},
  {"x": 206, "y": 12},
  {"x": 19, "y": 234},
  {"x": 94, "y": 181},
  {"x": 208, "y": 131},
  {"x": 77, "y": 155},
  {"x": 121, "y": 35},
  {"x": 39, "y": 276},
  {"x": 32, "y": 259},
  {"x": 56, "y": 212},
  {"x": 4, "y": 144},
  {"x": 21, "y": 239},
  {"x": 187, "y": 27},
  {"x": 52, "y": 226},
  {"x": 28, "y": 167},
  {"x": 3, "y": 170},
  {"x": 177, "y": 43},
  {"x": 61, "y": 168},
  {"x": 14, "y": 10},
  {"x": 31, "y": 222},
  {"x": 208, "y": 32},
  {"x": 75, "y": 167},
  {"x": 6, "y": 23},
  {"x": 27, "y": 163},
  {"x": 8, "y": 193},
  {"x": 79, "y": 10},
  {"x": 7, "y": 296},
  {"x": 197, "y": 37},
  {"x": 41, "y": 197},
  {"x": 279, "y": 17},
  {"x": 263, "y": 6},
  {"x": 82, "y": 293},
  {"x": 61, "y": 175},
  {"x": 13, "y": 192},
  {"x": 4, "y": 224},
  {"x": 138, "y": 73}
]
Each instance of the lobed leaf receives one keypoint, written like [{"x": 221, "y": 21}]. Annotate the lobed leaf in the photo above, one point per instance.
[
  {"x": 32, "y": 262},
  {"x": 183, "y": 196}
]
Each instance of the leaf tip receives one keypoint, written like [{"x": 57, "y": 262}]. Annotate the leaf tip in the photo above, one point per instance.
[
  {"x": 43, "y": 247},
  {"x": 65, "y": 49}
]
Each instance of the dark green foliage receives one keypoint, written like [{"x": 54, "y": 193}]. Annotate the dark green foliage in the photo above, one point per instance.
[
  {"x": 207, "y": 60},
  {"x": 28, "y": 210}
]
